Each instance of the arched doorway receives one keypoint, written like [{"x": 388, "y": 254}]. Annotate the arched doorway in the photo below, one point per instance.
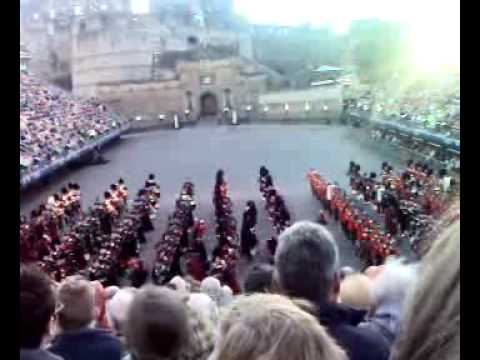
[{"x": 208, "y": 104}]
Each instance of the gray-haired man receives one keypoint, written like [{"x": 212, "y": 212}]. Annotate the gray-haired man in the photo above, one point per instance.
[{"x": 307, "y": 266}]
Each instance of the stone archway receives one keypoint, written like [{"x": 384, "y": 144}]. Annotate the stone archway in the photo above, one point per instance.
[{"x": 208, "y": 104}]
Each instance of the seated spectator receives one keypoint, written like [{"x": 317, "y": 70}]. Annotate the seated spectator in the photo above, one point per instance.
[
  {"x": 227, "y": 297},
  {"x": 160, "y": 325},
  {"x": 272, "y": 327},
  {"x": 388, "y": 291},
  {"x": 306, "y": 267},
  {"x": 78, "y": 340},
  {"x": 205, "y": 306},
  {"x": 179, "y": 284},
  {"x": 37, "y": 306},
  {"x": 431, "y": 323},
  {"x": 53, "y": 124},
  {"x": 356, "y": 292},
  {"x": 259, "y": 279},
  {"x": 110, "y": 291},
  {"x": 213, "y": 288},
  {"x": 117, "y": 308}
]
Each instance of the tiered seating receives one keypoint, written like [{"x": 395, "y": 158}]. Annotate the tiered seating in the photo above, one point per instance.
[
  {"x": 436, "y": 110},
  {"x": 53, "y": 124}
]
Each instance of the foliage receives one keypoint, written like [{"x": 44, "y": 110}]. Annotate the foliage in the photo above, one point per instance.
[
  {"x": 379, "y": 50},
  {"x": 289, "y": 50}
]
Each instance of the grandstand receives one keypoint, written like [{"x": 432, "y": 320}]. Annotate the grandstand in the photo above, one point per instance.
[{"x": 56, "y": 128}]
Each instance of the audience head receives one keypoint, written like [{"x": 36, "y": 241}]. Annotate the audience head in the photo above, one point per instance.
[
  {"x": 117, "y": 308},
  {"x": 391, "y": 285},
  {"x": 37, "y": 306},
  {"x": 345, "y": 271},
  {"x": 259, "y": 279},
  {"x": 373, "y": 271},
  {"x": 431, "y": 323},
  {"x": 212, "y": 287},
  {"x": 110, "y": 291},
  {"x": 151, "y": 177},
  {"x": 227, "y": 295},
  {"x": 272, "y": 327},
  {"x": 179, "y": 284},
  {"x": 306, "y": 262},
  {"x": 356, "y": 292},
  {"x": 157, "y": 324},
  {"x": 204, "y": 305},
  {"x": 76, "y": 297}
]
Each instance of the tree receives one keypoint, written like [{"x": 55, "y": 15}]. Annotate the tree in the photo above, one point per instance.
[
  {"x": 379, "y": 49},
  {"x": 290, "y": 50}
]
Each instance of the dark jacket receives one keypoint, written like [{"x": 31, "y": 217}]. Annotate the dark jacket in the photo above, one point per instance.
[
  {"x": 38, "y": 354},
  {"x": 90, "y": 344},
  {"x": 359, "y": 343}
]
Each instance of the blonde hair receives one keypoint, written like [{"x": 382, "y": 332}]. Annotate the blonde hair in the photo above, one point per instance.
[
  {"x": 76, "y": 297},
  {"x": 272, "y": 327},
  {"x": 356, "y": 291},
  {"x": 431, "y": 325}
]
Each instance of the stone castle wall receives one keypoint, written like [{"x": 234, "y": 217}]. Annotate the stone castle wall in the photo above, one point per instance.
[
  {"x": 112, "y": 60},
  {"x": 110, "y": 57},
  {"x": 323, "y": 103},
  {"x": 152, "y": 98}
]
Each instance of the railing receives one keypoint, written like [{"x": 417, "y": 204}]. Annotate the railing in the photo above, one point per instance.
[
  {"x": 414, "y": 131},
  {"x": 441, "y": 140}
]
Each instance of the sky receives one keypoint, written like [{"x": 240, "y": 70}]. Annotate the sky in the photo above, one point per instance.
[{"x": 434, "y": 24}]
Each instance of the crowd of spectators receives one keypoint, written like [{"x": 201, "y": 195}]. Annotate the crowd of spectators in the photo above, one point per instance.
[
  {"x": 303, "y": 307},
  {"x": 435, "y": 108},
  {"x": 431, "y": 153},
  {"x": 54, "y": 124}
]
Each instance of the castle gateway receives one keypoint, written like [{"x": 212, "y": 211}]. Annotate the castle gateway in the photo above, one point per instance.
[{"x": 144, "y": 67}]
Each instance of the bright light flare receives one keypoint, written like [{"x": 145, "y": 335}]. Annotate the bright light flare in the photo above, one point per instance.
[
  {"x": 140, "y": 6},
  {"x": 436, "y": 42}
]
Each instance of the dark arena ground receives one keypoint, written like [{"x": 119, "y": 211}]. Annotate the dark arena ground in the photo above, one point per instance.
[{"x": 196, "y": 153}]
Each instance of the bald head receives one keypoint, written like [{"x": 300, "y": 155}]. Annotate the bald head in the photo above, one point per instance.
[{"x": 306, "y": 261}]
